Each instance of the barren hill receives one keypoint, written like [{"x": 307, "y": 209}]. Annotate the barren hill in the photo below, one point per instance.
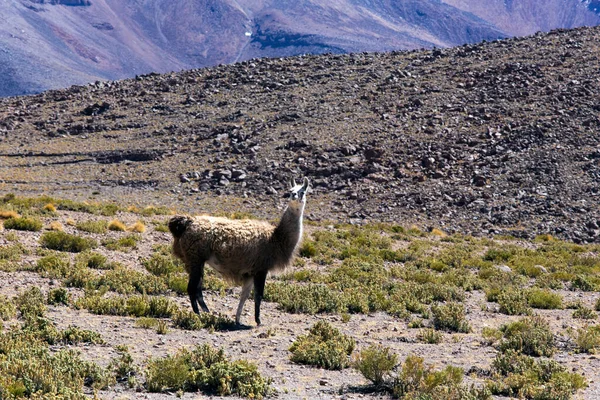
[
  {"x": 499, "y": 137},
  {"x": 49, "y": 44}
]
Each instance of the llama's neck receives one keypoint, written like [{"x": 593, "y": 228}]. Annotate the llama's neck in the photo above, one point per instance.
[{"x": 288, "y": 232}]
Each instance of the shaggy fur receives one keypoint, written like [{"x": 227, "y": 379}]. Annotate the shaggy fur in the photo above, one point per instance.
[{"x": 242, "y": 251}]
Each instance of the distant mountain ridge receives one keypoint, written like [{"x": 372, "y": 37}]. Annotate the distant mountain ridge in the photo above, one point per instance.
[{"x": 56, "y": 43}]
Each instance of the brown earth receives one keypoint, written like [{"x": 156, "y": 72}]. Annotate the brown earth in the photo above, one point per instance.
[{"x": 499, "y": 137}]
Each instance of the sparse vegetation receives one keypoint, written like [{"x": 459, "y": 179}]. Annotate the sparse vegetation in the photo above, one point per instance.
[
  {"x": 422, "y": 280},
  {"x": 93, "y": 226},
  {"x": 208, "y": 370},
  {"x": 23, "y": 224},
  {"x": 324, "y": 347},
  {"x": 375, "y": 363},
  {"x": 62, "y": 241}
]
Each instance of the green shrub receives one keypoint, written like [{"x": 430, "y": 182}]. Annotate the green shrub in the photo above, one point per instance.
[
  {"x": 513, "y": 301},
  {"x": 31, "y": 302},
  {"x": 544, "y": 299},
  {"x": 13, "y": 252},
  {"x": 91, "y": 259},
  {"x": 584, "y": 283},
  {"x": 417, "y": 381},
  {"x": 530, "y": 336},
  {"x": 126, "y": 243},
  {"x": 63, "y": 241},
  {"x": 430, "y": 336},
  {"x": 23, "y": 224},
  {"x": 491, "y": 336},
  {"x": 53, "y": 266},
  {"x": 58, "y": 296},
  {"x": 208, "y": 370},
  {"x": 123, "y": 366},
  {"x": 74, "y": 335},
  {"x": 93, "y": 226},
  {"x": 189, "y": 320},
  {"x": 375, "y": 363},
  {"x": 450, "y": 317},
  {"x": 584, "y": 312},
  {"x": 324, "y": 347},
  {"x": 517, "y": 375},
  {"x": 161, "y": 265},
  {"x": 310, "y": 298},
  {"x": 588, "y": 339},
  {"x": 7, "y": 308},
  {"x": 30, "y": 369}
]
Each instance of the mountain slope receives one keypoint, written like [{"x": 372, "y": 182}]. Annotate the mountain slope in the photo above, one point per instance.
[
  {"x": 501, "y": 137},
  {"x": 525, "y": 17},
  {"x": 55, "y": 44}
]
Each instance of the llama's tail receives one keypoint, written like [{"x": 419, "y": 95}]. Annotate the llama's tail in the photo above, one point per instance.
[{"x": 178, "y": 225}]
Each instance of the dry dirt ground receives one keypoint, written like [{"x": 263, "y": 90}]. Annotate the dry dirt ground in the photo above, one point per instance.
[{"x": 268, "y": 344}]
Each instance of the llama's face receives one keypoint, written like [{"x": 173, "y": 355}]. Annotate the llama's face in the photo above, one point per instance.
[{"x": 298, "y": 194}]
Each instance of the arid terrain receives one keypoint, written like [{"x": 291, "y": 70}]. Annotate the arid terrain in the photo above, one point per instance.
[
  {"x": 490, "y": 138},
  {"x": 453, "y": 216},
  {"x": 54, "y": 44}
]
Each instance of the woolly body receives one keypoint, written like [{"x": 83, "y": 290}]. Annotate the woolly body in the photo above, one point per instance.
[{"x": 237, "y": 249}]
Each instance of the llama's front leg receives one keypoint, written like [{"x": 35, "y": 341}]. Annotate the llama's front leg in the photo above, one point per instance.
[
  {"x": 259, "y": 290},
  {"x": 194, "y": 289},
  {"x": 243, "y": 297}
]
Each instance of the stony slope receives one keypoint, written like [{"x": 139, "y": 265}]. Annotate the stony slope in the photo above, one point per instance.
[{"x": 499, "y": 137}]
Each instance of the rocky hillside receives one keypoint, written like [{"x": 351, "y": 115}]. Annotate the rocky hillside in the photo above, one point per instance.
[
  {"x": 49, "y": 44},
  {"x": 490, "y": 138}
]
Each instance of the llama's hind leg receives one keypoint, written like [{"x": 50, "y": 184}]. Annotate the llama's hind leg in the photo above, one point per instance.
[
  {"x": 194, "y": 288},
  {"x": 243, "y": 297},
  {"x": 259, "y": 290}
]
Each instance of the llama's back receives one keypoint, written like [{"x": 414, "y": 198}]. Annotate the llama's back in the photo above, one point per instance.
[{"x": 232, "y": 247}]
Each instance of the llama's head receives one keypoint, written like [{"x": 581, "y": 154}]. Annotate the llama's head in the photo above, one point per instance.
[{"x": 298, "y": 195}]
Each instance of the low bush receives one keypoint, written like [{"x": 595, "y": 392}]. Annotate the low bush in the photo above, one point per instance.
[
  {"x": 58, "y": 296},
  {"x": 62, "y": 241},
  {"x": 91, "y": 259},
  {"x": 430, "y": 336},
  {"x": 126, "y": 243},
  {"x": 93, "y": 226},
  {"x": 587, "y": 339},
  {"x": 583, "y": 312},
  {"x": 530, "y": 336},
  {"x": 513, "y": 301},
  {"x": 544, "y": 299},
  {"x": 450, "y": 317},
  {"x": 324, "y": 346},
  {"x": 517, "y": 375},
  {"x": 53, "y": 266},
  {"x": 30, "y": 369},
  {"x": 23, "y": 224},
  {"x": 418, "y": 381},
  {"x": 375, "y": 363},
  {"x": 7, "y": 308},
  {"x": 116, "y": 225},
  {"x": 208, "y": 370},
  {"x": 189, "y": 320}
]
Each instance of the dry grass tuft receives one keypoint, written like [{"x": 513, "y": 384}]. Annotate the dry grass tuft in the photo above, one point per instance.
[
  {"x": 6, "y": 214},
  {"x": 71, "y": 222},
  {"x": 438, "y": 232},
  {"x": 138, "y": 227},
  {"x": 116, "y": 225},
  {"x": 50, "y": 207},
  {"x": 56, "y": 226}
]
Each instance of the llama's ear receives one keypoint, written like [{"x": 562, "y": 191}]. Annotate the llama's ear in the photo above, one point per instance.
[
  {"x": 305, "y": 185},
  {"x": 293, "y": 183}
]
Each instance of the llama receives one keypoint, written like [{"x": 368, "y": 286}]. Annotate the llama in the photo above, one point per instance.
[{"x": 242, "y": 251}]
